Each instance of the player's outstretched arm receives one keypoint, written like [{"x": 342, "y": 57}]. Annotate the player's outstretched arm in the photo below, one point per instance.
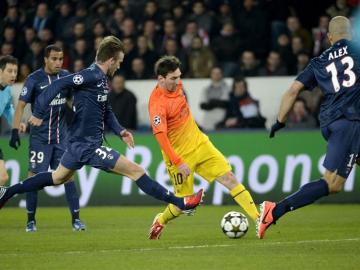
[{"x": 287, "y": 102}]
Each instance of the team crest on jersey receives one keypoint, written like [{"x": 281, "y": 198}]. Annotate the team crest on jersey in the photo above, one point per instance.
[
  {"x": 24, "y": 91},
  {"x": 78, "y": 79},
  {"x": 157, "y": 120}
]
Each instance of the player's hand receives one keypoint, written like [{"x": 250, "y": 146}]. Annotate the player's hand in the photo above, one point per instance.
[
  {"x": 15, "y": 139},
  {"x": 184, "y": 169},
  {"x": 276, "y": 127},
  {"x": 22, "y": 128},
  {"x": 35, "y": 121},
  {"x": 128, "y": 138}
]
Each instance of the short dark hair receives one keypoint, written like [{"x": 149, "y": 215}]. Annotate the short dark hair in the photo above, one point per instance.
[
  {"x": 108, "y": 48},
  {"x": 166, "y": 64},
  {"x": 7, "y": 59},
  {"x": 50, "y": 48}
]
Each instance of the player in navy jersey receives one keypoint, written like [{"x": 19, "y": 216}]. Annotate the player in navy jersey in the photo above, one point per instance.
[
  {"x": 337, "y": 73},
  {"x": 85, "y": 134},
  {"x": 8, "y": 73},
  {"x": 47, "y": 141}
]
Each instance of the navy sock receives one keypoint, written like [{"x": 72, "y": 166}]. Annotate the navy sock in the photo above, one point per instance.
[
  {"x": 33, "y": 183},
  {"x": 72, "y": 199},
  {"x": 307, "y": 194},
  {"x": 31, "y": 204},
  {"x": 154, "y": 189}
]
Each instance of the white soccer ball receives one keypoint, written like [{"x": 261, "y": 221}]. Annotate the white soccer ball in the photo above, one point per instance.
[{"x": 234, "y": 224}]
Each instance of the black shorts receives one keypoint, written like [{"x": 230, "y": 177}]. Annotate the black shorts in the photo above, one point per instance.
[{"x": 1, "y": 154}]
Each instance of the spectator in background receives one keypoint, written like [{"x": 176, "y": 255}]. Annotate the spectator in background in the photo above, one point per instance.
[
  {"x": 295, "y": 30},
  {"x": 97, "y": 42},
  {"x": 12, "y": 18},
  {"x": 152, "y": 12},
  {"x": 303, "y": 60},
  {"x": 253, "y": 28},
  {"x": 171, "y": 48},
  {"x": 283, "y": 46},
  {"x": 192, "y": 31},
  {"x": 201, "y": 59},
  {"x": 7, "y": 49},
  {"x": 300, "y": 116},
  {"x": 224, "y": 15},
  {"x": 339, "y": 8},
  {"x": 29, "y": 34},
  {"x": 99, "y": 29},
  {"x": 178, "y": 15},
  {"x": 138, "y": 70},
  {"x": 143, "y": 51},
  {"x": 34, "y": 59},
  {"x": 319, "y": 35},
  {"x": 202, "y": 17},
  {"x": 123, "y": 103},
  {"x": 82, "y": 15},
  {"x": 115, "y": 22},
  {"x": 149, "y": 31},
  {"x": 46, "y": 36},
  {"x": 80, "y": 51},
  {"x": 214, "y": 99},
  {"x": 100, "y": 10},
  {"x": 78, "y": 64},
  {"x": 42, "y": 18},
  {"x": 62, "y": 28},
  {"x": 242, "y": 111},
  {"x": 169, "y": 32},
  {"x": 24, "y": 72},
  {"x": 78, "y": 31},
  {"x": 130, "y": 52},
  {"x": 128, "y": 29},
  {"x": 273, "y": 66},
  {"x": 225, "y": 46},
  {"x": 249, "y": 65}
]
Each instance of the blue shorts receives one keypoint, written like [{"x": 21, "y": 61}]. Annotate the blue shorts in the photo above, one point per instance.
[
  {"x": 343, "y": 137},
  {"x": 42, "y": 156},
  {"x": 80, "y": 154}
]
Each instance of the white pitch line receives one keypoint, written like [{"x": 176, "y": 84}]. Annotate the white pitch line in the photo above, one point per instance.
[{"x": 258, "y": 243}]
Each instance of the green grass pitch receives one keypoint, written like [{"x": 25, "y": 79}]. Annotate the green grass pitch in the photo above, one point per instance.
[{"x": 315, "y": 237}]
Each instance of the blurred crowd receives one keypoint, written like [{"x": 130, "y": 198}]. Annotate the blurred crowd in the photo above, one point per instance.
[
  {"x": 242, "y": 37},
  {"x": 212, "y": 38}
]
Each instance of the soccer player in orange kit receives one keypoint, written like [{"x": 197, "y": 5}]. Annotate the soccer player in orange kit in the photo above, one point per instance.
[{"x": 184, "y": 147}]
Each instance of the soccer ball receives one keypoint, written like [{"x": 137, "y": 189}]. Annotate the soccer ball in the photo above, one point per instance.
[{"x": 234, "y": 224}]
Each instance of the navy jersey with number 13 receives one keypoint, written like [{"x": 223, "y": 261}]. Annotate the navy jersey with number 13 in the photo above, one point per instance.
[{"x": 336, "y": 71}]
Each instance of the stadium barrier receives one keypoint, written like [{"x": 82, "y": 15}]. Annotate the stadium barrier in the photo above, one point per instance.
[{"x": 270, "y": 169}]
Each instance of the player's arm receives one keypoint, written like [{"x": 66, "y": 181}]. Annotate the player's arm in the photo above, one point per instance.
[
  {"x": 9, "y": 112},
  {"x": 157, "y": 114},
  {"x": 288, "y": 100},
  {"x": 306, "y": 79},
  {"x": 75, "y": 81},
  {"x": 112, "y": 122}
]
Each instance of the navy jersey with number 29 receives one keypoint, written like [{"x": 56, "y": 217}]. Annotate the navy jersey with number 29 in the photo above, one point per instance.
[{"x": 337, "y": 73}]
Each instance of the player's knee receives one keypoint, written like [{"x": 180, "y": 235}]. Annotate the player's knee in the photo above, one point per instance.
[
  {"x": 4, "y": 177},
  {"x": 335, "y": 182},
  {"x": 228, "y": 180}
]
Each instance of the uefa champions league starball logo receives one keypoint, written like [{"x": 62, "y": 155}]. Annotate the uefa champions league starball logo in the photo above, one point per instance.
[
  {"x": 157, "y": 120},
  {"x": 78, "y": 79}
]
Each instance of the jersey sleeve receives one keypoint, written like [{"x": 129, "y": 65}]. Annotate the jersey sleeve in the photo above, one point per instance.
[
  {"x": 307, "y": 77},
  {"x": 9, "y": 111},
  {"x": 75, "y": 81},
  {"x": 27, "y": 91},
  {"x": 111, "y": 120},
  {"x": 157, "y": 114}
]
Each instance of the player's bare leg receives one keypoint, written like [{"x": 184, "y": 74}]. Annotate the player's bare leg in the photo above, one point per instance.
[
  {"x": 132, "y": 170},
  {"x": 239, "y": 194},
  {"x": 270, "y": 212},
  {"x": 4, "y": 177}
]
